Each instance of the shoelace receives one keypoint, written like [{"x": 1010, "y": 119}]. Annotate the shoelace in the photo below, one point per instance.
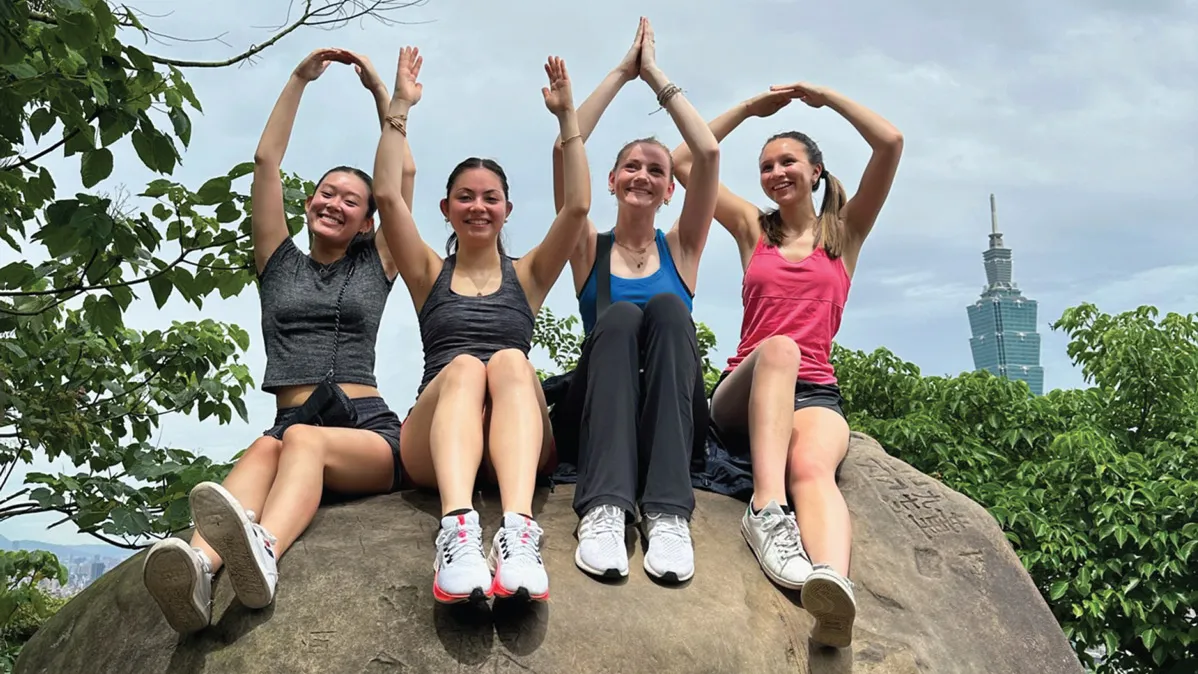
[
  {"x": 784, "y": 536},
  {"x": 670, "y": 525},
  {"x": 454, "y": 545},
  {"x": 522, "y": 543},
  {"x": 607, "y": 520}
]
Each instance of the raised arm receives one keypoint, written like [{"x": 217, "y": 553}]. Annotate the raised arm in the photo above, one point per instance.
[
  {"x": 382, "y": 102},
  {"x": 699, "y": 205},
  {"x": 736, "y": 214},
  {"x": 540, "y": 268},
  {"x": 884, "y": 139},
  {"x": 415, "y": 261},
  {"x": 269, "y": 222},
  {"x": 592, "y": 108}
]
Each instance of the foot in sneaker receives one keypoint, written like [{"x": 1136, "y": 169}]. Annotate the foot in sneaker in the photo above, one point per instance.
[
  {"x": 773, "y": 535},
  {"x": 601, "y": 550},
  {"x": 460, "y": 570},
  {"x": 179, "y": 578},
  {"x": 670, "y": 555},
  {"x": 516, "y": 559},
  {"x": 247, "y": 549},
  {"x": 828, "y": 597}
]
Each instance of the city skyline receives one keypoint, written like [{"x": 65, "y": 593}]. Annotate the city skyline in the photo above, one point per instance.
[{"x": 1002, "y": 321}]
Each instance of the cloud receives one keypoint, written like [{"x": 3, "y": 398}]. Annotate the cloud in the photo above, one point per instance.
[{"x": 1079, "y": 115}]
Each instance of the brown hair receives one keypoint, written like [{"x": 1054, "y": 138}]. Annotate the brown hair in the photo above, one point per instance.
[
  {"x": 451, "y": 245},
  {"x": 830, "y": 227},
  {"x": 645, "y": 141}
]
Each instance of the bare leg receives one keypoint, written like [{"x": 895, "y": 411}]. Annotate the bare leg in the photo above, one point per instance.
[
  {"x": 517, "y": 438},
  {"x": 346, "y": 459},
  {"x": 759, "y": 394},
  {"x": 820, "y": 442},
  {"x": 442, "y": 438},
  {"x": 249, "y": 482}
]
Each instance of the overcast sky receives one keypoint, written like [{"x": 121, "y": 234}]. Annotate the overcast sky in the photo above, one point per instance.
[{"x": 1079, "y": 116}]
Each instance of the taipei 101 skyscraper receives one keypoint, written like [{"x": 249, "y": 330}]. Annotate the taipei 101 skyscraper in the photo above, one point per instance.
[{"x": 1003, "y": 321}]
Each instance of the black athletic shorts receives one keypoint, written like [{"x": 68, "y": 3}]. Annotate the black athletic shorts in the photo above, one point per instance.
[{"x": 373, "y": 415}]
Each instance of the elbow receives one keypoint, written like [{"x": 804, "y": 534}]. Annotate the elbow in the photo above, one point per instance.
[
  {"x": 893, "y": 140},
  {"x": 387, "y": 200},
  {"x": 264, "y": 159},
  {"x": 577, "y": 209},
  {"x": 708, "y": 152}
]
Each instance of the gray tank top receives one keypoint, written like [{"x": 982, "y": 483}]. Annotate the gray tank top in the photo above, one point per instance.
[
  {"x": 299, "y": 310},
  {"x": 453, "y": 324}
]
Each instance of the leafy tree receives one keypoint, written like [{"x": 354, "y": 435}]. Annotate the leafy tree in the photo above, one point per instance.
[
  {"x": 24, "y": 606},
  {"x": 1096, "y": 488},
  {"x": 76, "y": 381}
]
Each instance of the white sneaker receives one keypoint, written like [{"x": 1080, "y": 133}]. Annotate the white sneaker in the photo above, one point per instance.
[
  {"x": 670, "y": 555},
  {"x": 774, "y": 538},
  {"x": 516, "y": 559},
  {"x": 247, "y": 549},
  {"x": 601, "y": 550},
  {"x": 828, "y": 597},
  {"x": 179, "y": 578},
  {"x": 460, "y": 570}
]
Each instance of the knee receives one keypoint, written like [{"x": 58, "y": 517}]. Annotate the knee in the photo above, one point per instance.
[
  {"x": 465, "y": 370},
  {"x": 669, "y": 309},
  {"x": 265, "y": 449},
  {"x": 778, "y": 353},
  {"x": 301, "y": 440},
  {"x": 510, "y": 366},
  {"x": 813, "y": 464},
  {"x": 623, "y": 318}
]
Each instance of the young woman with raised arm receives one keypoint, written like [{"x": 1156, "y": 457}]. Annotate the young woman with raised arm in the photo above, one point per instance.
[
  {"x": 798, "y": 266},
  {"x": 635, "y": 410},
  {"x": 320, "y": 319},
  {"x": 479, "y": 410}
]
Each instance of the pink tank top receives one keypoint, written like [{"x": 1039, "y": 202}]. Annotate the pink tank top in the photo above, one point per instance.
[{"x": 802, "y": 300}]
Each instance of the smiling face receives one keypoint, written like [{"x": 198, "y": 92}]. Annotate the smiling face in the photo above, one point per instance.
[
  {"x": 643, "y": 176},
  {"x": 340, "y": 208},
  {"x": 787, "y": 174},
  {"x": 476, "y": 206}
]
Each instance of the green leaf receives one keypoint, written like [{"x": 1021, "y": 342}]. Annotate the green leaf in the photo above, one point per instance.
[
  {"x": 214, "y": 191},
  {"x": 40, "y": 123},
  {"x": 182, "y": 125},
  {"x": 239, "y": 405},
  {"x": 1148, "y": 636},
  {"x": 242, "y": 169},
  {"x": 161, "y": 286},
  {"x": 96, "y": 166},
  {"x": 1058, "y": 590},
  {"x": 144, "y": 147},
  {"x": 227, "y": 212},
  {"x": 21, "y": 71}
]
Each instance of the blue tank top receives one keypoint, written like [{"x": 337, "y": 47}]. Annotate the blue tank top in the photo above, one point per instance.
[{"x": 637, "y": 290}]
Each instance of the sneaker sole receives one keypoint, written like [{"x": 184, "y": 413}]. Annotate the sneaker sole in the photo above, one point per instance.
[
  {"x": 609, "y": 574},
  {"x": 223, "y": 525},
  {"x": 476, "y": 596},
  {"x": 833, "y": 611},
  {"x": 744, "y": 530},
  {"x": 170, "y": 577},
  {"x": 668, "y": 576}
]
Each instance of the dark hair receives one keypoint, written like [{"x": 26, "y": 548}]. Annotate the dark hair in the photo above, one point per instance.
[
  {"x": 644, "y": 141},
  {"x": 831, "y": 226},
  {"x": 451, "y": 245},
  {"x": 371, "y": 207}
]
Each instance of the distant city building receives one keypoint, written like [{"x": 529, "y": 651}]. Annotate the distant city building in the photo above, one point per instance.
[
  {"x": 97, "y": 570},
  {"x": 1003, "y": 321}
]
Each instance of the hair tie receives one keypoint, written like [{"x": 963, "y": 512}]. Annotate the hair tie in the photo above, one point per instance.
[{"x": 827, "y": 176}]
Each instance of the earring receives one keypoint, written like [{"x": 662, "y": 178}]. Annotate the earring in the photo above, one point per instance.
[
  {"x": 611, "y": 191},
  {"x": 667, "y": 202}
]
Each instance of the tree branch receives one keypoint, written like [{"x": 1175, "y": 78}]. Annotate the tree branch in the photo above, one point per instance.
[
  {"x": 29, "y": 160},
  {"x": 178, "y": 63}
]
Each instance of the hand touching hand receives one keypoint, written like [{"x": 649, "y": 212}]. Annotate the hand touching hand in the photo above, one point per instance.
[
  {"x": 648, "y": 50},
  {"x": 630, "y": 65},
  {"x": 366, "y": 72},
  {"x": 314, "y": 64},
  {"x": 766, "y": 104},
  {"x": 816, "y": 97},
  {"x": 558, "y": 97},
  {"x": 406, "y": 86}
]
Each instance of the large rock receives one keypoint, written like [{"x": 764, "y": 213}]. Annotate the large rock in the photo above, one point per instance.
[{"x": 939, "y": 590}]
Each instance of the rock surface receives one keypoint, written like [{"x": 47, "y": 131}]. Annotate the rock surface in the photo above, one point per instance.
[{"x": 938, "y": 590}]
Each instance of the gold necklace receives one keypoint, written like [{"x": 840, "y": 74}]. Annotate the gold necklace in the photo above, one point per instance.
[{"x": 643, "y": 251}]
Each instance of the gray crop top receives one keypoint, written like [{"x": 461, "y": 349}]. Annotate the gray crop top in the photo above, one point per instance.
[{"x": 299, "y": 302}]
